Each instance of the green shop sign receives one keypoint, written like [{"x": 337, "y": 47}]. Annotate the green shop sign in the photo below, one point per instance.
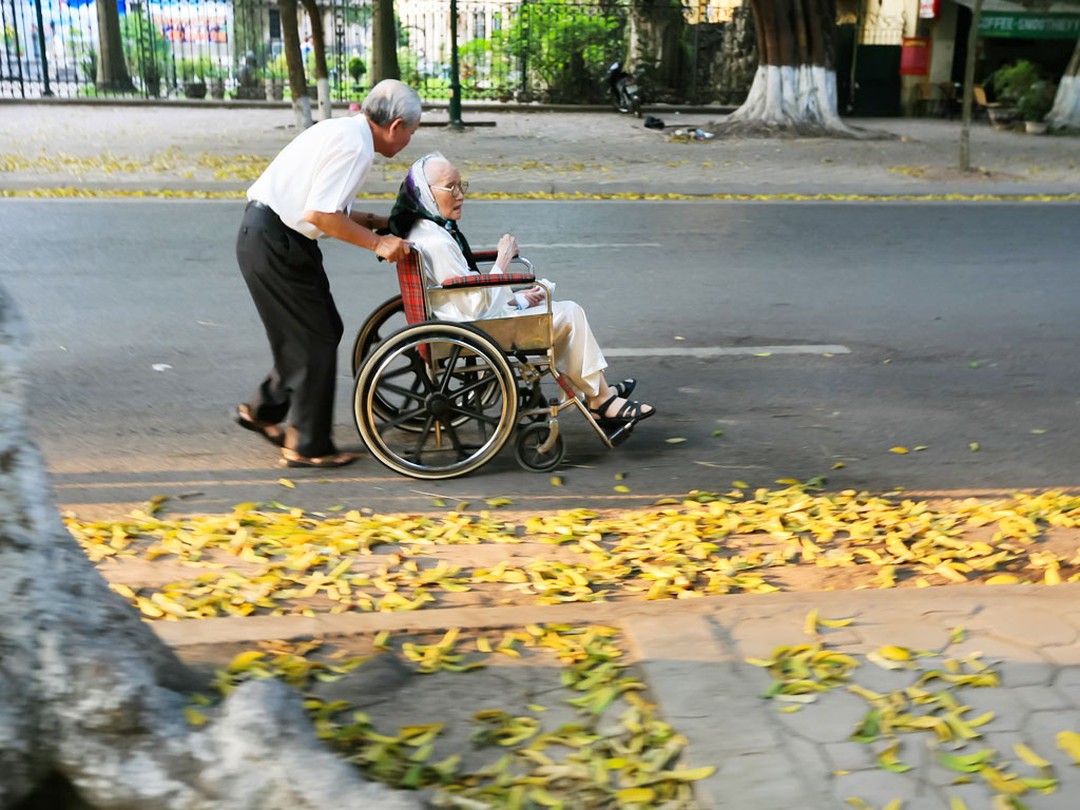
[{"x": 1029, "y": 26}]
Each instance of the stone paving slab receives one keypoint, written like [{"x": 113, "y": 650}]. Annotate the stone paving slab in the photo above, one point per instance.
[{"x": 692, "y": 654}]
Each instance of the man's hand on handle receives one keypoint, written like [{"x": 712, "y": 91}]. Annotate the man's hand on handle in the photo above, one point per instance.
[{"x": 392, "y": 248}]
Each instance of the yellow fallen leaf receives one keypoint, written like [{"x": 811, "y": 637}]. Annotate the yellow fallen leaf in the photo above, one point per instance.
[
  {"x": 245, "y": 660},
  {"x": 285, "y": 482},
  {"x": 1002, "y": 579},
  {"x": 894, "y": 653},
  {"x": 675, "y": 440},
  {"x": 836, "y": 622},
  {"x": 1069, "y": 742},
  {"x": 635, "y": 795},
  {"x": 898, "y": 450},
  {"x": 1029, "y": 756},
  {"x": 621, "y": 488},
  {"x": 194, "y": 716}
]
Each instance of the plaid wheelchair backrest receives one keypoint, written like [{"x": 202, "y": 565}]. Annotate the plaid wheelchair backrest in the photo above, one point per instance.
[{"x": 410, "y": 273}]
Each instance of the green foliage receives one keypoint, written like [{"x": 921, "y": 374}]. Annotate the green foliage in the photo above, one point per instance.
[
  {"x": 276, "y": 68},
  {"x": 564, "y": 46},
  {"x": 1023, "y": 86},
  {"x": 199, "y": 68},
  {"x": 146, "y": 51}
]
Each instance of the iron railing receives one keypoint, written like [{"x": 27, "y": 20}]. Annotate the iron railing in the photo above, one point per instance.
[{"x": 545, "y": 50}]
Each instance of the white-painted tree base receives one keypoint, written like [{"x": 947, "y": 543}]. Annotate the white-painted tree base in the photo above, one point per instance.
[
  {"x": 91, "y": 697},
  {"x": 325, "y": 110},
  {"x": 302, "y": 111},
  {"x": 1066, "y": 111},
  {"x": 801, "y": 99}
]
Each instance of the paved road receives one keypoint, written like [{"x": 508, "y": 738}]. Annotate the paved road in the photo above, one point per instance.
[{"x": 954, "y": 325}]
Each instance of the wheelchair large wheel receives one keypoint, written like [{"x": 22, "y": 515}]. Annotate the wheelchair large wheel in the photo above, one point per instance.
[
  {"x": 450, "y": 416},
  {"x": 387, "y": 318}
]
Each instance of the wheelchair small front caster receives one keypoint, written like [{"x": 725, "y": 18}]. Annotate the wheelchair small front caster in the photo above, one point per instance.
[{"x": 527, "y": 449}]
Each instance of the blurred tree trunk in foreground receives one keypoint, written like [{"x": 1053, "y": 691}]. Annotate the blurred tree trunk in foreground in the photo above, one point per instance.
[{"x": 92, "y": 702}]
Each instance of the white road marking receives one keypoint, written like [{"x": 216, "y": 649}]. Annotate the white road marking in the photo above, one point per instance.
[
  {"x": 725, "y": 351},
  {"x": 585, "y": 245}
]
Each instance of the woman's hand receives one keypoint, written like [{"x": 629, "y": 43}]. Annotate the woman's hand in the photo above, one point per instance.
[
  {"x": 507, "y": 249},
  {"x": 534, "y": 295}
]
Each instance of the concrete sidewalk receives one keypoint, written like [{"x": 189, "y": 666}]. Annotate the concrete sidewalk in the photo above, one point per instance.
[
  {"x": 691, "y": 652},
  {"x": 218, "y": 149}
]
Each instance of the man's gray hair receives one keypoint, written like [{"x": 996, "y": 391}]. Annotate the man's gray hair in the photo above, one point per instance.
[{"x": 391, "y": 99}]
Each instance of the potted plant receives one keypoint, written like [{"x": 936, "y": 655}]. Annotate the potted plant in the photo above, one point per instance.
[
  {"x": 1024, "y": 88},
  {"x": 357, "y": 69}
]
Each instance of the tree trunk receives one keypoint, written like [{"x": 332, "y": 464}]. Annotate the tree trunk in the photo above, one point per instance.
[
  {"x": 656, "y": 28},
  {"x": 112, "y": 72},
  {"x": 794, "y": 89},
  {"x": 1066, "y": 111},
  {"x": 92, "y": 713},
  {"x": 318, "y": 44},
  {"x": 294, "y": 61},
  {"x": 384, "y": 62}
]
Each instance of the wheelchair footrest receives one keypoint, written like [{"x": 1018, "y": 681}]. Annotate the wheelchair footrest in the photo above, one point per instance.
[{"x": 621, "y": 433}]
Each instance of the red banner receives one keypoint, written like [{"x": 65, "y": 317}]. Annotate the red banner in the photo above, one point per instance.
[{"x": 915, "y": 56}]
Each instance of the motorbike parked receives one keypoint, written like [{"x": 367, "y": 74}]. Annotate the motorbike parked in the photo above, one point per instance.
[{"x": 625, "y": 94}]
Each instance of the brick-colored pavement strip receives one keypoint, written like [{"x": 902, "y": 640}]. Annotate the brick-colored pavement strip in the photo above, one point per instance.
[{"x": 219, "y": 149}]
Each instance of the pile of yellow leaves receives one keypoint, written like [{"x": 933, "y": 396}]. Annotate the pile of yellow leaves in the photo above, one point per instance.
[{"x": 261, "y": 560}]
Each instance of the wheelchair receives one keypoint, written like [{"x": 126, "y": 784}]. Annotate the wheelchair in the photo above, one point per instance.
[{"x": 437, "y": 399}]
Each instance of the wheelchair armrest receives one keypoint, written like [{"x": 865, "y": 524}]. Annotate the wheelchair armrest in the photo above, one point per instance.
[{"x": 485, "y": 280}]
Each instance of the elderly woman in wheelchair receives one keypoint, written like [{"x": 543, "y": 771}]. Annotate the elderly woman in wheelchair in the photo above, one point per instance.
[
  {"x": 439, "y": 397},
  {"x": 428, "y": 208}
]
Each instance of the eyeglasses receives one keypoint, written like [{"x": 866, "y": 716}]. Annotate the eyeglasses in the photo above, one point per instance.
[{"x": 461, "y": 188}]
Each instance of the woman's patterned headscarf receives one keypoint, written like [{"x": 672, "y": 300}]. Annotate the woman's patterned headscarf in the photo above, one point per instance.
[{"x": 415, "y": 201}]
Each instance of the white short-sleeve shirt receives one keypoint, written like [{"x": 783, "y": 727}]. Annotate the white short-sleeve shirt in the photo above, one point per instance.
[{"x": 321, "y": 169}]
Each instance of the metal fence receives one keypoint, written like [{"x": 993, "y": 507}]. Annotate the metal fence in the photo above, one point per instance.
[{"x": 552, "y": 50}]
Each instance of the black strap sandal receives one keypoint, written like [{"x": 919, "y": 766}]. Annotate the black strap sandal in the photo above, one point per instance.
[
  {"x": 625, "y": 388},
  {"x": 630, "y": 411}
]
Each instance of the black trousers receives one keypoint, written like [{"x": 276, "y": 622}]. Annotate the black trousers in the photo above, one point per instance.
[{"x": 284, "y": 273}]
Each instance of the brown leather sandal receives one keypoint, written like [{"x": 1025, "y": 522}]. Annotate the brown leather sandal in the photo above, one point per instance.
[
  {"x": 290, "y": 458},
  {"x": 273, "y": 433}
]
